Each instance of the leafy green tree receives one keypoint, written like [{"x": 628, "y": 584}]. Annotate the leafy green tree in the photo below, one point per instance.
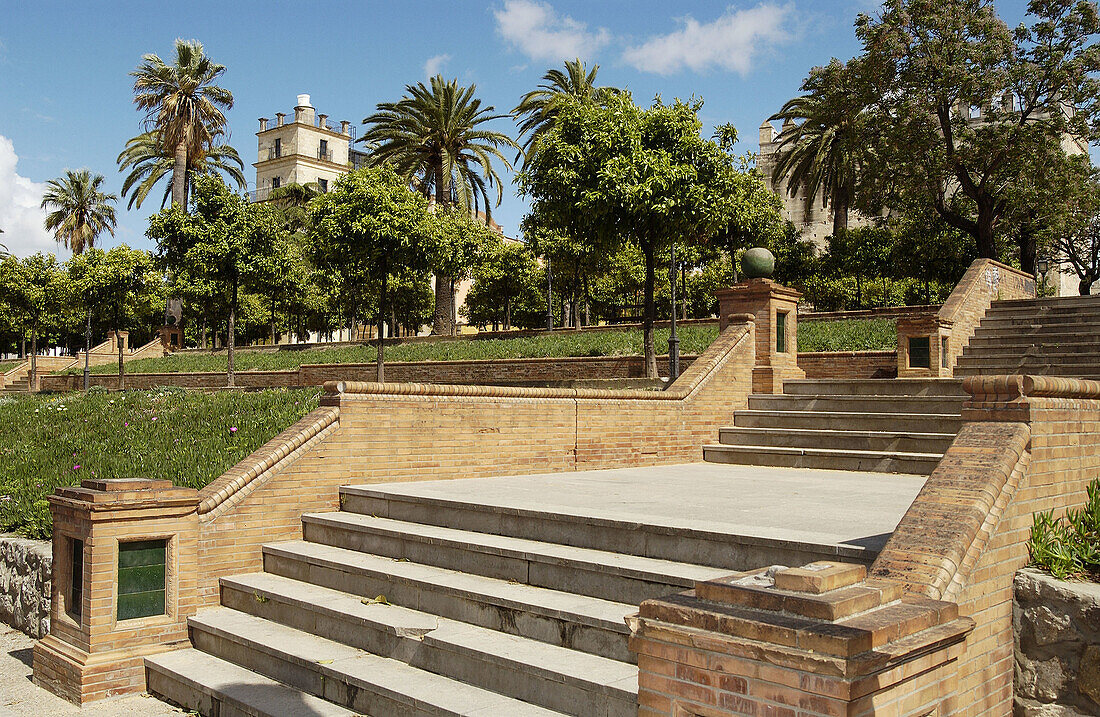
[
  {"x": 183, "y": 107},
  {"x": 149, "y": 162},
  {"x": 226, "y": 241},
  {"x": 458, "y": 244},
  {"x": 824, "y": 144},
  {"x": 962, "y": 102},
  {"x": 37, "y": 289},
  {"x": 119, "y": 282},
  {"x": 436, "y": 137},
  {"x": 506, "y": 277},
  {"x": 538, "y": 109},
  {"x": 293, "y": 201},
  {"x": 627, "y": 175},
  {"x": 372, "y": 224}
]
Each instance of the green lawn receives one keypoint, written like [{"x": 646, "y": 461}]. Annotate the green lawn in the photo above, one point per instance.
[
  {"x": 189, "y": 438},
  {"x": 848, "y": 335},
  {"x": 693, "y": 340},
  {"x": 6, "y": 366}
]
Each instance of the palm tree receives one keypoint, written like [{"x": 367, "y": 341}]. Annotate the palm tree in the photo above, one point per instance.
[
  {"x": 292, "y": 200},
  {"x": 537, "y": 109},
  {"x": 434, "y": 137},
  {"x": 149, "y": 162},
  {"x": 182, "y": 106},
  {"x": 81, "y": 212},
  {"x": 823, "y": 144}
]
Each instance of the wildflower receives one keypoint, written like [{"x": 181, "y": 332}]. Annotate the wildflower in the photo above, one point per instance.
[
  {"x": 126, "y": 424},
  {"x": 154, "y": 418},
  {"x": 76, "y": 467},
  {"x": 232, "y": 429}
]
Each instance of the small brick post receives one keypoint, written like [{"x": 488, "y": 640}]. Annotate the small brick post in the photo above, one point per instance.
[
  {"x": 124, "y": 584},
  {"x": 924, "y": 346},
  {"x": 776, "y": 310},
  {"x": 817, "y": 640},
  {"x": 171, "y": 337},
  {"x": 115, "y": 336}
]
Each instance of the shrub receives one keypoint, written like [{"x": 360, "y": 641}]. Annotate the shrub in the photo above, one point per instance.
[
  {"x": 848, "y": 335},
  {"x": 1069, "y": 547}
]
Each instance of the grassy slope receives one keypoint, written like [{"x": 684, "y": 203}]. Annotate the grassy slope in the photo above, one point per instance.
[
  {"x": 693, "y": 339},
  {"x": 186, "y": 437},
  {"x": 848, "y": 335},
  {"x": 6, "y": 366}
]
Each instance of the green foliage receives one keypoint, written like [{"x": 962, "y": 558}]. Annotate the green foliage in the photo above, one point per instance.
[
  {"x": 507, "y": 283},
  {"x": 1069, "y": 546},
  {"x": 150, "y": 162},
  {"x": 189, "y": 438},
  {"x": 610, "y": 342},
  {"x": 81, "y": 211},
  {"x": 848, "y": 335}
]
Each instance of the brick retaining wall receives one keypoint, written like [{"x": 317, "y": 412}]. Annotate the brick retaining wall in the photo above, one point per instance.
[{"x": 849, "y": 364}]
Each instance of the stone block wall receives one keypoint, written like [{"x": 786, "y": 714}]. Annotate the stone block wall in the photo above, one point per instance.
[
  {"x": 25, "y": 573},
  {"x": 1057, "y": 626}
]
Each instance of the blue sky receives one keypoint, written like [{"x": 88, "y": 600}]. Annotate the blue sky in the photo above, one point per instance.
[{"x": 66, "y": 96}]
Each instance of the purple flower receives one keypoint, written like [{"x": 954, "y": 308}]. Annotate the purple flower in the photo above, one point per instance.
[
  {"x": 232, "y": 429},
  {"x": 126, "y": 424},
  {"x": 76, "y": 468},
  {"x": 154, "y": 418}
]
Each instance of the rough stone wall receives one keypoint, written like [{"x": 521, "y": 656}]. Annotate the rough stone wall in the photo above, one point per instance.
[
  {"x": 25, "y": 571},
  {"x": 1057, "y": 628},
  {"x": 405, "y": 432}
]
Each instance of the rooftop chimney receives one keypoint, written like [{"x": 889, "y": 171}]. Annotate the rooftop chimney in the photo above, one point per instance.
[
  {"x": 767, "y": 133},
  {"x": 345, "y": 127},
  {"x": 303, "y": 111},
  {"x": 280, "y": 119},
  {"x": 322, "y": 121},
  {"x": 263, "y": 124}
]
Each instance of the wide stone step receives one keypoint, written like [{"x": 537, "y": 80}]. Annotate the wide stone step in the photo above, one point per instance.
[
  {"x": 857, "y": 404},
  {"x": 874, "y": 387},
  {"x": 1072, "y": 361},
  {"x": 1061, "y": 321},
  {"x": 1044, "y": 333},
  {"x": 882, "y": 441},
  {"x": 824, "y": 458},
  {"x": 212, "y": 687},
  {"x": 1047, "y": 303},
  {"x": 342, "y": 674},
  {"x": 979, "y": 346},
  {"x": 597, "y": 573},
  {"x": 649, "y": 538},
  {"x": 529, "y": 670},
  {"x": 842, "y": 421},
  {"x": 578, "y": 622}
]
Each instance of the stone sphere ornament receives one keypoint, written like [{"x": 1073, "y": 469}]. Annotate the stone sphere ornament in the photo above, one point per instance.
[{"x": 757, "y": 263}]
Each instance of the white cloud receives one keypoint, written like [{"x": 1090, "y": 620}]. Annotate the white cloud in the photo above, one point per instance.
[
  {"x": 537, "y": 31},
  {"x": 433, "y": 65},
  {"x": 730, "y": 42},
  {"x": 20, "y": 215}
]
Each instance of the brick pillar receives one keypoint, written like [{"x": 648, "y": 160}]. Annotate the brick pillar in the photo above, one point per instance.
[
  {"x": 817, "y": 640},
  {"x": 776, "y": 310},
  {"x": 124, "y": 584},
  {"x": 171, "y": 337},
  {"x": 115, "y": 336},
  {"x": 924, "y": 346}
]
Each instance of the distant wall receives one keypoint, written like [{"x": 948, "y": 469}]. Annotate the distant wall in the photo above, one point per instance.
[{"x": 849, "y": 364}]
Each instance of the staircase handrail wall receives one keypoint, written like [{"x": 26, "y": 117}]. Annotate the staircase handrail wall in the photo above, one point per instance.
[
  {"x": 983, "y": 283},
  {"x": 1028, "y": 444}
]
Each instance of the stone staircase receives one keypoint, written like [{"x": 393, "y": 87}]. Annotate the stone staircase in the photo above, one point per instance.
[
  {"x": 1053, "y": 336},
  {"x": 888, "y": 426},
  {"x": 19, "y": 385},
  {"x": 469, "y": 609}
]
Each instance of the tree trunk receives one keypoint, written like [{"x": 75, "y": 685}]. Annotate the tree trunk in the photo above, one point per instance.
[
  {"x": 987, "y": 245},
  {"x": 87, "y": 348},
  {"x": 34, "y": 359},
  {"x": 1085, "y": 287},
  {"x": 684, "y": 293},
  {"x": 840, "y": 215},
  {"x": 508, "y": 314},
  {"x": 381, "y": 320},
  {"x": 650, "y": 310},
  {"x": 1028, "y": 250},
  {"x": 441, "y": 318},
  {"x": 230, "y": 355},
  {"x": 454, "y": 308},
  {"x": 179, "y": 176},
  {"x": 121, "y": 360}
]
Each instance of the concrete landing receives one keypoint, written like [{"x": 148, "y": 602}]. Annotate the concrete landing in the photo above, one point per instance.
[{"x": 823, "y": 507}]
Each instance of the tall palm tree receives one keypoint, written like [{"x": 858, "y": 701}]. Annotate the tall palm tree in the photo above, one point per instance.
[
  {"x": 292, "y": 200},
  {"x": 182, "y": 106},
  {"x": 537, "y": 109},
  {"x": 80, "y": 213},
  {"x": 823, "y": 145},
  {"x": 149, "y": 162},
  {"x": 435, "y": 137},
  {"x": 79, "y": 210}
]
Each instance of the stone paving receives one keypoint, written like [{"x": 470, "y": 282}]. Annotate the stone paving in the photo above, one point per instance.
[{"x": 19, "y": 697}]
